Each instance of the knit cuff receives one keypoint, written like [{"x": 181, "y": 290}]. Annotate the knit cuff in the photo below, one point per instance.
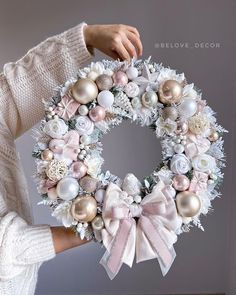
[
  {"x": 38, "y": 246},
  {"x": 77, "y": 47}
]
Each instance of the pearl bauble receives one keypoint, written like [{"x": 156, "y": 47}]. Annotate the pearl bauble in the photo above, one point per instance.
[
  {"x": 179, "y": 148},
  {"x": 99, "y": 195},
  {"x": 170, "y": 113},
  {"x": 104, "y": 82},
  {"x": 47, "y": 155},
  {"x": 120, "y": 78},
  {"x": 181, "y": 182},
  {"x": 149, "y": 99},
  {"x": 98, "y": 223},
  {"x": 170, "y": 91},
  {"x": 84, "y": 90},
  {"x": 105, "y": 98},
  {"x": 132, "y": 73},
  {"x": 97, "y": 114},
  {"x": 67, "y": 188},
  {"x": 187, "y": 108},
  {"x": 83, "y": 110},
  {"x": 214, "y": 136},
  {"x": 84, "y": 208},
  {"x": 88, "y": 184},
  {"x": 188, "y": 204}
]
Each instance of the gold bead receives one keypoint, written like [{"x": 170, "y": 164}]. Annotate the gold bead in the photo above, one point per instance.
[
  {"x": 84, "y": 208},
  {"x": 84, "y": 90},
  {"x": 214, "y": 136},
  {"x": 188, "y": 204},
  {"x": 170, "y": 91}
]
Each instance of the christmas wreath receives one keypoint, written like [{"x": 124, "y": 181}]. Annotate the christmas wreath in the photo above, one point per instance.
[{"x": 129, "y": 217}]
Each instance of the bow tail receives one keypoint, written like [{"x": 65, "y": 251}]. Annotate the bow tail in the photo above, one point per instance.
[
  {"x": 152, "y": 243},
  {"x": 121, "y": 248}
]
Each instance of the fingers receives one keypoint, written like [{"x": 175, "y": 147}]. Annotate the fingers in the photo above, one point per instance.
[
  {"x": 133, "y": 30},
  {"x": 122, "y": 51},
  {"x": 136, "y": 42}
]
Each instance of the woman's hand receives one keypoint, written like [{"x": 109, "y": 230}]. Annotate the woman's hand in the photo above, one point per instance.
[
  {"x": 116, "y": 41},
  {"x": 65, "y": 238}
]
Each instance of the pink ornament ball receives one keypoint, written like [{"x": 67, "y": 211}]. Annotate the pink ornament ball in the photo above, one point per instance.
[
  {"x": 181, "y": 183},
  {"x": 120, "y": 78},
  {"x": 97, "y": 114},
  {"x": 79, "y": 169}
]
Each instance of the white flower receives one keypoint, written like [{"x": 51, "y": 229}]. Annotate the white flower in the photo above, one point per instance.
[
  {"x": 199, "y": 124},
  {"x": 180, "y": 164},
  {"x": 165, "y": 127},
  {"x": 62, "y": 214},
  {"x": 94, "y": 164},
  {"x": 190, "y": 92},
  {"x": 204, "y": 163},
  {"x": 55, "y": 128},
  {"x": 84, "y": 125}
]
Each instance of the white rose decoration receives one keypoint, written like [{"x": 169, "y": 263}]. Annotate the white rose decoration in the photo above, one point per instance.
[
  {"x": 204, "y": 163},
  {"x": 94, "y": 164},
  {"x": 180, "y": 164},
  {"x": 55, "y": 128},
  {"x": 84, "y": 125}
]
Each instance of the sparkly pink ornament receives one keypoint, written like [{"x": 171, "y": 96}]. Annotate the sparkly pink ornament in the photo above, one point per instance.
[
  {"x": 120, "y": 78},
  {"x": 79, "y": 169},
  {"x": 97, "y": 114},
  {"x": 182, "y": 127},
  {"x": 181, "y": 182}
]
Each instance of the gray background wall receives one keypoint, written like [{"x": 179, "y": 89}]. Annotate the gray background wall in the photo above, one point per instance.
[{"x": 205, "y": 260}]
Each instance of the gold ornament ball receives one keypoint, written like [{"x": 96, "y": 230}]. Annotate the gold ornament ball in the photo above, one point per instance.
[
  {"x": 84, "y": 208},
  {"x": 214, "y": 136},
  {"x": 149, "y": 99},
  {"x": 97, "y": 223},
  {"x": 84, "y": 90},
  {"x": 170, "y": 91},
  {"x": 47, "y": 155},
  {"x": 188, "y": 204}
]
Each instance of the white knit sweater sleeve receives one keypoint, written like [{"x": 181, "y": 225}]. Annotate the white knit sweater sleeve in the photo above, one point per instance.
[{"x": 23, "y": 85}]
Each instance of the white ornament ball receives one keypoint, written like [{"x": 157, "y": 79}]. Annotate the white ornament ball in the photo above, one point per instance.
[
  {"x": 99, "y": 195},
  {"x": 67, "y": 188},
  {"x": 187, "y": 108},
  {"x": 83, "y": 110},
  {"x": 132, "y": 73},
  {"x": 105, "y": 98},
  {"x": 179, "y": 148}
]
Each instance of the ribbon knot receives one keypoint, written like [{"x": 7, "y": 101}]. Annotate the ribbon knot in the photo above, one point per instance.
[{"x": 151, "y": 236}]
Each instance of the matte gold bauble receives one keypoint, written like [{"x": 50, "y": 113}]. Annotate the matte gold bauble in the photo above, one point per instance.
[
  {"x": 84, "y": 208},
  {"x": 104, "y": 82},
  {"x": 214, "y": 136},
  {"x": 97, "y": 223},
  {"x": 170, "y": 91},
  {"x": 188, "y": 204},
  {"x": 84, "y": 90}
]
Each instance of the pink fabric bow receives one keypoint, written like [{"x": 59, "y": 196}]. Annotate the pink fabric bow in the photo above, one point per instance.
[
  {"x": 67, "y": 107},
  {"x": 199, "y": 181},
  {"x": 196, "y": 145},
  {"x": 151, "y": 237},
  {"x": 67, "y": 147}
]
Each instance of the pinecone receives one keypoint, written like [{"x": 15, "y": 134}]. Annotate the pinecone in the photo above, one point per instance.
[{"x": 122, "y": 101}]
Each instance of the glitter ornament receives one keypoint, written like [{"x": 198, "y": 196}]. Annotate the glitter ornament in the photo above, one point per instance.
[
  {"x": 83, "y": 110},
  {"x": 181, "y": 182},
  {"x": 84, "y": 208},
  {"x": 131, "y": 89},
  {"x": 104, "y": 82},
  {"x": 56, "y": 170},
  {"x": 188, "y": 204},
  {"x": 88, "y": 184},
  {"x": 170, "y": 91},
  {"x": 105, "y": 98},
  {"x": 67, "y": 188},
  {"x": 84, "y": 90},
  {"x": 170, "y": 113},
  {"x": 182, "y": 127},
  {"x": 97, "y": 114}
]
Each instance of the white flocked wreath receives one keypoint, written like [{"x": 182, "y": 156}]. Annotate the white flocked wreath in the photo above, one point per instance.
[{"x": 68, "y": 155}]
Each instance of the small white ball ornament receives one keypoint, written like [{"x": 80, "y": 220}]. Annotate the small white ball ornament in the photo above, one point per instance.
[
  {"x": 83, "y": 110},
  {"x": 67, "y": 188},
  {"x": 105, "y": 98},
  {"x": 132, "y": 73}
]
